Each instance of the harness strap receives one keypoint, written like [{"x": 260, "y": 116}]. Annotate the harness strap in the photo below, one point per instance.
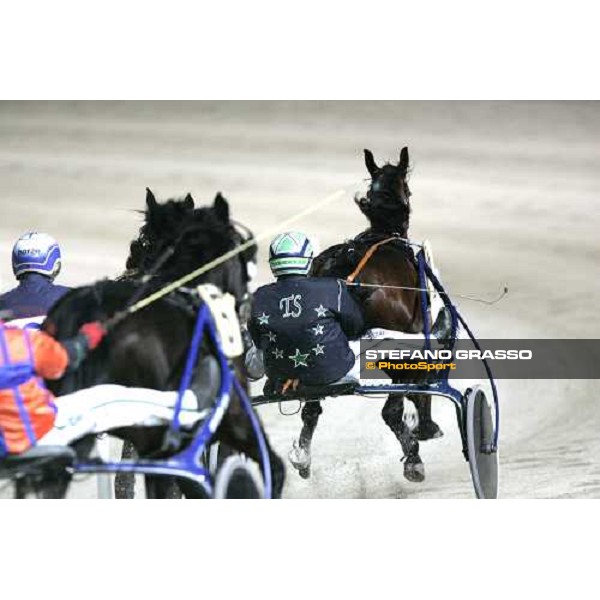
[{"x": 365, "y": 259}]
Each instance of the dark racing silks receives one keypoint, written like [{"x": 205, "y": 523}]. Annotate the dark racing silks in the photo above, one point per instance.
[
  {"x": 34, "y": 296},
  {"x": 27, "y": 409},
  {"x": 302, "y": 325}
]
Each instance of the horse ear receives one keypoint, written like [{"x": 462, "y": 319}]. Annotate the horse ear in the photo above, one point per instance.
[
  {"x": 221, "y": 208},
  {"x": 370, "y": 162},
  {"x": 403, "y": 164},
  {"x": 188, "y": 202},
  {"x": 150, "y": 199}
]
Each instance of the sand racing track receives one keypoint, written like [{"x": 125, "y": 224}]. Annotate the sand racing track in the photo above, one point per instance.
[{"x": 506, "y": 192}]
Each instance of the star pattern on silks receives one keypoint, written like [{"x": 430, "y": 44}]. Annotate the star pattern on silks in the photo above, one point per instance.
[
  {"x": 263, "y": 319},
  {"x": 318, "y": 330},
  {"x": 299, "y": 359},
  {"x": 321, "y": 311},
  {"x": 319, "y": 349},
  {"x": 272, "y": 336},
  {"x": 277, "y": 353}
]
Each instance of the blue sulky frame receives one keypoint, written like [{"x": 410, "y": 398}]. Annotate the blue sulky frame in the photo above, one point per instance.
[
  {"x": 442, "y": 387},
  {"x": 439, "y": 388},
  {"x": 187, "y": 463}
]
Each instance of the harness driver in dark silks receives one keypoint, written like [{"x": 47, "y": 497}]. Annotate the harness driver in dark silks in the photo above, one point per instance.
[
  {"x": 300, "y": 329},
  {"x": 36, "y": 262}
]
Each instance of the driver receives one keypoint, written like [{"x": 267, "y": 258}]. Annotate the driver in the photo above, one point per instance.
[
  {"x": 36, "y": 262},
  {"x": 30, "y": 415},
  {"x": 27, "y": 409},
  {"x": 300, "y": 325}
]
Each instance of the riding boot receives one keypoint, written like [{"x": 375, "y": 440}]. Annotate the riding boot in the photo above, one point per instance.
[
  {"x": 427, "y": 429},
  {"x": 299, "y": 455},
  {"x": 392, "y": 413}
]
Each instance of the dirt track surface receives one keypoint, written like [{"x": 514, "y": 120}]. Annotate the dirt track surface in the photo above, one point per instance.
[{"x": 506, "y": 192}]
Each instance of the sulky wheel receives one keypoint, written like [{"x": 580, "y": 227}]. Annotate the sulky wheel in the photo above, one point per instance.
[
  {"x": 237, "y": 479},
  {"x": 483, "y": 459}
]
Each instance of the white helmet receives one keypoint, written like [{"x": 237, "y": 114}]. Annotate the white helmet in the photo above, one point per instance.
[
  {"x": 290, "y": 253},
  {"x": 36, "y": 253}
]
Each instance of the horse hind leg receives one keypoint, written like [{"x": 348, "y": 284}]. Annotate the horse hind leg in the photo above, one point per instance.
[
  {"x": 157, "y": 486},
  {"x": 162, "y": 487},
  {"x": 125, "y": 482},
  {"x": 300, "y": 455},
  {"x": 427, "y": 429},
  {"x": 393, "y": 415}
]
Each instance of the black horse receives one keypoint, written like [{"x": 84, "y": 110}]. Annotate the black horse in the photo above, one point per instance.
[
  {"x": 149, "y": 347},
  {"x": 177, "y": 238},
  {"x": 387, "y": 207}
]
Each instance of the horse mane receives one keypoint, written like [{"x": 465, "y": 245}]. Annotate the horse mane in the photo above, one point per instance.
[{"x": 194, "y": 236}]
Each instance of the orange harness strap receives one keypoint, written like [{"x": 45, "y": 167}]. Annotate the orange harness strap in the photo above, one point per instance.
[{"x": 365, "y": 259}]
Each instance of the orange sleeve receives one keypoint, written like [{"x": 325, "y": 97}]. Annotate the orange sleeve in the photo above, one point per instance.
[{"x": 49, "y": 356}]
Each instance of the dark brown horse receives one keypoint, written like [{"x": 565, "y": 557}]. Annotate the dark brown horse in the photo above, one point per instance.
[{"x": 387, "y": 207}]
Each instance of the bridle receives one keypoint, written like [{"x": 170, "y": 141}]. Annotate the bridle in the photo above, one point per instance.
[
  {"x": 245, "y": 234},
  {"x": 387, "y": 194},
  {"x": 147, "y": 278}
]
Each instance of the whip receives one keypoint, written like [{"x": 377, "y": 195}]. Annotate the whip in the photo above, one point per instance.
[
  {"x": 171, "y": 287},
  {"x": 182, "y": 281}
]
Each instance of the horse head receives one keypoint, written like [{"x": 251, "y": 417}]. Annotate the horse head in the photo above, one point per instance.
[
  {"x": 387, "y": 202},
  {"x": 177, "y": 238}
]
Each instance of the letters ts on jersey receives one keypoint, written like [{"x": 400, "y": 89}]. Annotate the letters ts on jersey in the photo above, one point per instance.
[{"x": 291, "y": 306}]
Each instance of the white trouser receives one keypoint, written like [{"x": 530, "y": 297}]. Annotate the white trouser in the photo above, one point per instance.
[
  {"x": 353, "y": 375},
  {"x": 255, "y": 363},
  {"x": 101, "y": 408}
]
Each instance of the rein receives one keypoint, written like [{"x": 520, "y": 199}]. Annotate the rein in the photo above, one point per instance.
[
  {"x": 146, "y": 279},
  {"x": 242, "y": 230},
  {"x": 160, "y": 261},
  {"x": 350, "y": 280},
  {"x": 418, "y": 289}
]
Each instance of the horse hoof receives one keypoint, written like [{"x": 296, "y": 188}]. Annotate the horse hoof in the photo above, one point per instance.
[
  {"x": 304, "y": 472},
  {"x": 414, "y": 470},
  {"x": 428, "y": 430},
  {"x": 300, "y": 459}
]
